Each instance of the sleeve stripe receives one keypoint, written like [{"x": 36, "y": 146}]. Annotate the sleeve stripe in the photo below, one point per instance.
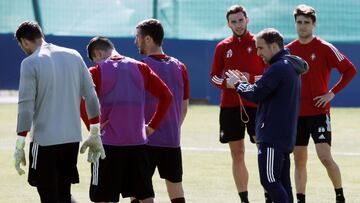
[
  {"x": 339, "y": 56},
  {"x": 217, "y": 80}
]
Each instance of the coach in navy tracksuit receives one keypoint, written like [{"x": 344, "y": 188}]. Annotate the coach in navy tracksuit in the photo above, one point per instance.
[{"x": 277, "y": 94}]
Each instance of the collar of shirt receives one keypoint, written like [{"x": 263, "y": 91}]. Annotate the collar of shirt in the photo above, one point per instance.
[
  {"x": 160, "y": 57},
  {"x": 244, "y": 37},
  {"x": 278, "y": 55}
]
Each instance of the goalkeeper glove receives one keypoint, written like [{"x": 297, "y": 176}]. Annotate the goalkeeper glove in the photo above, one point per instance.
[
  {"x": 94, "y": 143},
  {"x": 19, "y": 154}
]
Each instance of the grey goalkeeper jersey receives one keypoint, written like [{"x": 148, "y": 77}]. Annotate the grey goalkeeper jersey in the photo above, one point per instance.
[{"x": 52, "y": 81}]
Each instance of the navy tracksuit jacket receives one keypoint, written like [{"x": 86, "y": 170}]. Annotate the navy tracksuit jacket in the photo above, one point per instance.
[{"x": 277, "y": 94}]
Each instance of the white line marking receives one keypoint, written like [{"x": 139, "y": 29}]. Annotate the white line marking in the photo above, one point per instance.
[{"x": 254, "y": 151}]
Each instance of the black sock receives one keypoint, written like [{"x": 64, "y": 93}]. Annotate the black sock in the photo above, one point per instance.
[
  {"x": 135, "y": 201},
  {"x": 244, "y": 197},
  {"x": 300, "y": 198},
  {"x": 267, "y": 198},
  {"x": 178, "y": 200},
  {"x": 339, "y": 195}
]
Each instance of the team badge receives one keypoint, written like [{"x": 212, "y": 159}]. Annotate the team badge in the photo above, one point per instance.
[
  {"x": 313, "y": 56},
  {"x": 229, "y": 53},
  {"x": 249, "y": 49}
]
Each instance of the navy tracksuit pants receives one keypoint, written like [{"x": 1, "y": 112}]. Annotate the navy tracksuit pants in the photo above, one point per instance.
[{"x": 274, "y": 171}]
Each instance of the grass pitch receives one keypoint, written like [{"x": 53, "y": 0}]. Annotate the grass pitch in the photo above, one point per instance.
[{"x": 207, "y": 163}]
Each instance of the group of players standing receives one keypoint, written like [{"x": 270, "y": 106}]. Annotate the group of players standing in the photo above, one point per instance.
[
  {"x": 242, "y": 53},
  {"x": 136, "y": 130},
  {"x": 143, "y": 105}
]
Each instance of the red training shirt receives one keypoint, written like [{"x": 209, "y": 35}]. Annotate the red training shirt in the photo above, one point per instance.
[
  {"x": 321, "y": 57},
  {"x": 233, "y": 53}
]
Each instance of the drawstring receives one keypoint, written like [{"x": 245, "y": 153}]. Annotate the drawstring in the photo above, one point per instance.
[{"x": 243, "y": 112}]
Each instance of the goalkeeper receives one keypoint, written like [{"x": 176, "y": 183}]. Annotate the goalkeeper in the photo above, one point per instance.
[{"x": 52, "y": 80}]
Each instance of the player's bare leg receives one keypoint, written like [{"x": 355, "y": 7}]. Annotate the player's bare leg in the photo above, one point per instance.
[
  {"x": 323, "y": 151},
  {"x": 175, "y": 191},
  {"x": 240, "y": 172},
  {"x": 300, "y": 159}
]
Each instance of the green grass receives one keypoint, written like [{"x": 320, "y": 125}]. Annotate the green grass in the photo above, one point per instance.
[{"x": 207, "y": 163}]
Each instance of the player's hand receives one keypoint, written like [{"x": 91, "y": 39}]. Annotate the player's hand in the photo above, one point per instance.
[
  {"x": 19, "y": 154},
  {"x": 149, "y": 130},
  {"x": 94, "y": 143},
  {"x": 322, "y": 100}
]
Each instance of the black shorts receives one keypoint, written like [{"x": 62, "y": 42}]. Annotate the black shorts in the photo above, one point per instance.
[
  {"x": 52, "y": 170},
  {"x": 317, "y": 126},
  {"x": 232, "y": 128},
  {"x": 168, "y": 162},
  {"x": 124, "y": 171}
]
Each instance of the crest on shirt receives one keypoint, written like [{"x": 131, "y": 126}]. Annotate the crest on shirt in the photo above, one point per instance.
[
  {"x": 229, "y": 53},
  {"x": 249, "y": 49},
  {"x": 313, "y": 56}
]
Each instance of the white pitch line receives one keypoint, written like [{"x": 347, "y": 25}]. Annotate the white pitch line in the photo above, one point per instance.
[
  {"x": 214, "y": 149},
  {"x": 8, "y": 100}
]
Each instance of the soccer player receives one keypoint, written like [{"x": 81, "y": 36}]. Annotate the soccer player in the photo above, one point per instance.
[
  {"x": 237, "y": 52},
  {"x": 52, "y": 80},
  {"x": 163, "y": 146},
  {"x": 314, "y": 115},
  {"x": 121, "y": 84},
  {"x": 277, "y": 94}
]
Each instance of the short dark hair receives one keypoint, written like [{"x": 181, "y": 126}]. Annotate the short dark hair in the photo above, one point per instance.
[
  {"x": 153, "y": 28},
  {"x": 235, "y": 9},
  {"x": 271, "y": 35},
  {"x": 29, "y": 30},
  {"x": 100, "y": 43},
  {"x": 305, "y": 10}
]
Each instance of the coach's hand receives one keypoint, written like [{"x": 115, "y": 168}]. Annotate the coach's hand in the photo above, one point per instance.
[
  {"x": 233, "y": 77},
  {"x": 94, "y": 143},
  {"x": 19, "y": 154}
]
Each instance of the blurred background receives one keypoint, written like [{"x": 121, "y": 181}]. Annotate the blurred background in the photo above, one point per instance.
[{"x": 192, "y": 30}]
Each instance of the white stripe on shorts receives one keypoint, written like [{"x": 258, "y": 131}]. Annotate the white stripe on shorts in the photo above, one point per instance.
[
  {"x": 95, "y": 173},
  {"x": 34, "y": 153},
  {"x": 270, "y": 164}
]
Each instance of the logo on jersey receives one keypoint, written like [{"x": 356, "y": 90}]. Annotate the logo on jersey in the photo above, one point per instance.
[
  {"x": 249, "y": 50},
  {"x": 313, "y": 56},
  {"x": 229, "y": 53}
]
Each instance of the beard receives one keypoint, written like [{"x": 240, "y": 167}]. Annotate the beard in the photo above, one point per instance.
[
  {"x": 305, "y": 35},
  {"x": 239, "y": 35}
]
